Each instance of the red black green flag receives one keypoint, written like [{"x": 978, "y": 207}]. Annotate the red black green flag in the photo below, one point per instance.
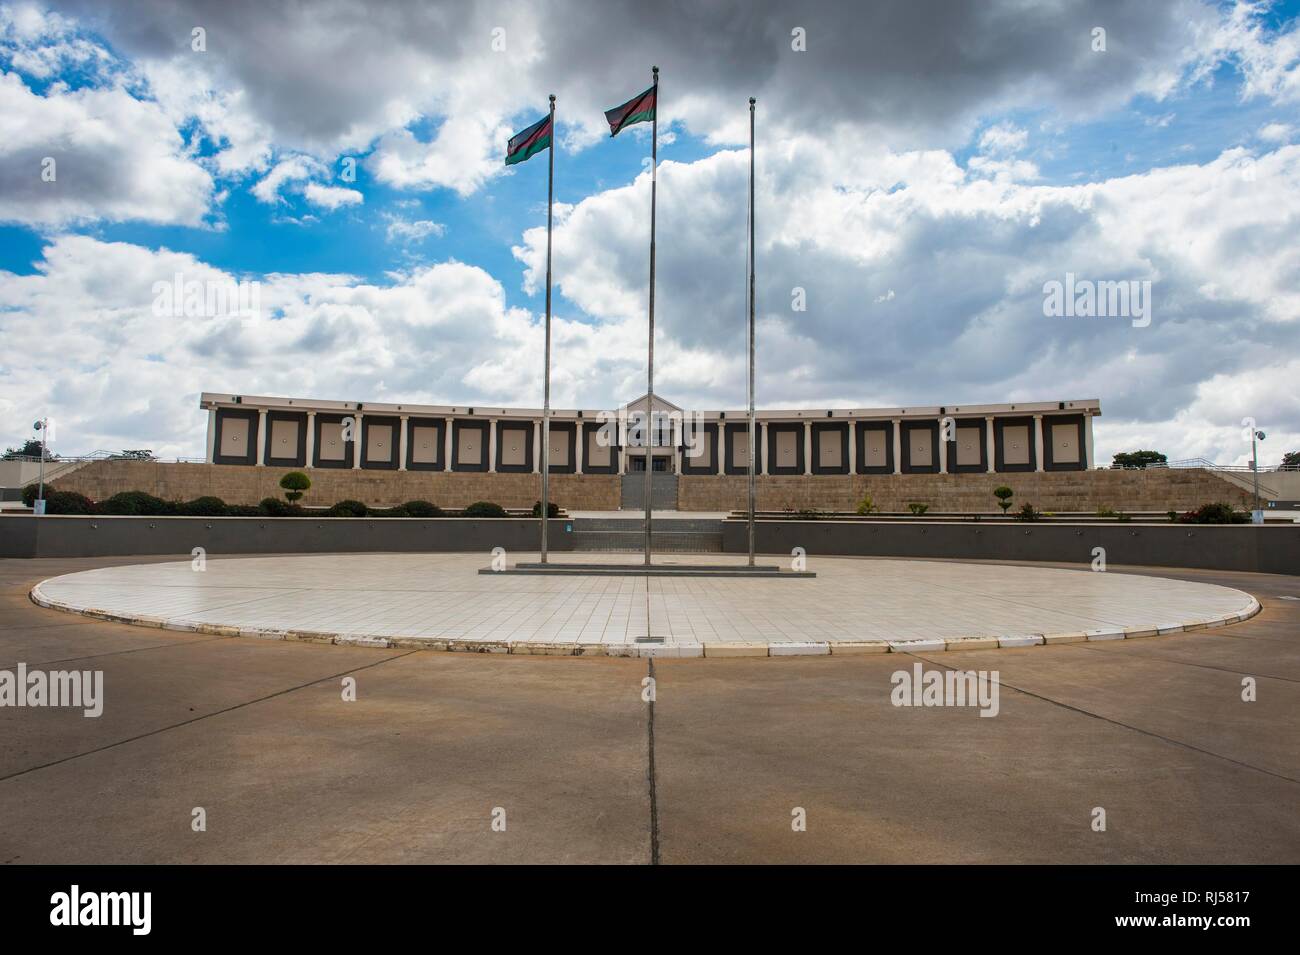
[
  {"x": 528, "y": 143},
  {"x": 639, "y": 109}
]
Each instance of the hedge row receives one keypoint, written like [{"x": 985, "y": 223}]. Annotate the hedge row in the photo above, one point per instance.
[{"x": 140, "y": 504}]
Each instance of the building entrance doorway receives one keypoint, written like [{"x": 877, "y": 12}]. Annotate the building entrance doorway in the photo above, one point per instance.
[{"x": 662, "y": 464}]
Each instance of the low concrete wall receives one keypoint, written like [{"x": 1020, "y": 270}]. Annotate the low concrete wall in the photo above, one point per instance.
[
  {"x": 67, "y": 536},
  {"x": 1273, "y": 550}
]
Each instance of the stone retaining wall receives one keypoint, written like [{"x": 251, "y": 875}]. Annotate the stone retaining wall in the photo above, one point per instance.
[
  {"x": 1080, "y": 491},
  {"x": 237, "y": 484}
]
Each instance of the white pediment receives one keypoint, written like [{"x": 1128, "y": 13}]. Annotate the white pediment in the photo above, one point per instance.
[{"x": 658, "y": 404}]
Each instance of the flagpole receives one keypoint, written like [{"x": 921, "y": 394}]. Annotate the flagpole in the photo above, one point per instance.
[
  {"x": 650, "y": 355},
  {"x": 546, "y": 388},
  {"x": 753, "y": 446}
]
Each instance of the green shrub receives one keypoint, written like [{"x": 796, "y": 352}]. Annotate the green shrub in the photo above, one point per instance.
[
  {"x": 1027, "y": 513},
  {"x": 484, "y": 509},
  {"x": 917, "y": 508},
  {"x": 294, "y": 483},
  {"x": 1123, "y": 518},
  {"x": 422, "y": 509},
  {"x": 552, "y": 509},
  {"x": 1106, "y": 511},
  {"x": 1003, "y": 494},
  {"x": 206, "y": 506},
  {"x": 136, "y": 503},
  {"x": 247, "y": 510},
  {"x": 1220, "y": 512},
  {"x": 1173, "y": 516},
  {"x": 808, "y": 514},
  {"x": 67, "y": 502},
  {"x": 348, "y": 508},
  {"x": 274, "y": 507},
  {"x": 398, "y": 511},
  {"x": 30, "y": 491},
  {"x": 866, "y": 506}
]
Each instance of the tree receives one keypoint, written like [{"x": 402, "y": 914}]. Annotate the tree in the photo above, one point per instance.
[
  {"x": 294, "y": 483},
  {"x": 1138, "y": 459},
  {"x": 1003, "y": 494},
  {"x": 31, "y": 449},
  {"x": 1291, "y": 459}
]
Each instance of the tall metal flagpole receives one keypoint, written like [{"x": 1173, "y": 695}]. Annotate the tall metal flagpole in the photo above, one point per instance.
[
  {"x": 753, "y": 445},
  {"x": 650, "y": 362},
  {"x": 546, "y": 392}
]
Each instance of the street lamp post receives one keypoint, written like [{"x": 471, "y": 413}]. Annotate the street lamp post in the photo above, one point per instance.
[
  {"x": 43, "y": 427},
  {"x": 1254, "y": 466}
]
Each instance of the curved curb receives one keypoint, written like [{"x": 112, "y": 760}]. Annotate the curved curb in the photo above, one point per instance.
[{"x": 661, "y": 650}]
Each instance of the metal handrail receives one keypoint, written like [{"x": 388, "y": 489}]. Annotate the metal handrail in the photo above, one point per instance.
[{"x": 1206, "y": 464}]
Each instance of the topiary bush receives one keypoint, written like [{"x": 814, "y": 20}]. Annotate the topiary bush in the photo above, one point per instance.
[
  {"x": 1003, "y": 494},
  {"x": 552, "y": 509},
  {"x": 294, "y": 483},
  {"x": 484, "y": 509},
  {"x": 206, "y": 506},
  {"x": 348, "y": 509},
  {"x": 422, "y": 509},
  {"x": 136, "y": 503},
  {"x": 917, "y": 508}
]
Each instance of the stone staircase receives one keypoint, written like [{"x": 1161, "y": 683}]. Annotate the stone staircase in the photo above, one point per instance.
[
  {"x": 663, "y": 492},
  {"x": 670, "y": 535}
]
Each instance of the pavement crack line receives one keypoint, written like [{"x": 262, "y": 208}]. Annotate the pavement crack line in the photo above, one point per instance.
[
  {"x": 1120, "y": 723},
  {"x": 114, "y": 653},
  {"x": 1185, "y": 663},
  {"x": 205, "y": 716},
  {"x": 650, "y": 768}
]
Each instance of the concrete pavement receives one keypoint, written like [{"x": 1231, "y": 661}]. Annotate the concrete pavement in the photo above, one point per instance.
[{"x": 256, "y": 733}]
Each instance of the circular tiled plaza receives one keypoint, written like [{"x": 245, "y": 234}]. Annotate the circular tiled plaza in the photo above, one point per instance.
[{"x": 440, "y": 601}]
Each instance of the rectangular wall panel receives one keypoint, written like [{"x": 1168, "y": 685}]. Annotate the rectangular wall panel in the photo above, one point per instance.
[
  {"x": 1065, "y": 443},
  {"x": 920, "y": 448},
  {"x": 332, "y": 446},
  {"x": 426, "y": 448},
  {"x": 379, "y": 443},
  {"x": 787, "y": 449},
  {"x": 970, "y": 444},
  {"x": 875, "y": 452},
  {"x": 1015, "y": 444}
]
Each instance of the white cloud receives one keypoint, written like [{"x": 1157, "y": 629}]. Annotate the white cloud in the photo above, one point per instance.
[
  {"x": 288, "y": 171},
  {"x": 116, "y": 158},
  {"x": 115, "y": 374},
  {"x": 332, "y": 197},
  {"x": 411, "y": 230},
  {"x": 965, "y": 259},
  {"x": 1276, "y": 132},
  {"x": 1003, "y": 139}
]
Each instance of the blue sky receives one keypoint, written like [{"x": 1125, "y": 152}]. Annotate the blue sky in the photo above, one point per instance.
[{"x": 921, "y": 188}]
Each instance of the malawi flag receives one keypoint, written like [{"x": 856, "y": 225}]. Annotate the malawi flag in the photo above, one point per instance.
[
  {"x": 530, "y": 142},
  {"x": 639, "y": 109}
]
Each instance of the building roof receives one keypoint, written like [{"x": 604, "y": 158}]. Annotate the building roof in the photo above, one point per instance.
[{"x": 207, "y": 400}]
